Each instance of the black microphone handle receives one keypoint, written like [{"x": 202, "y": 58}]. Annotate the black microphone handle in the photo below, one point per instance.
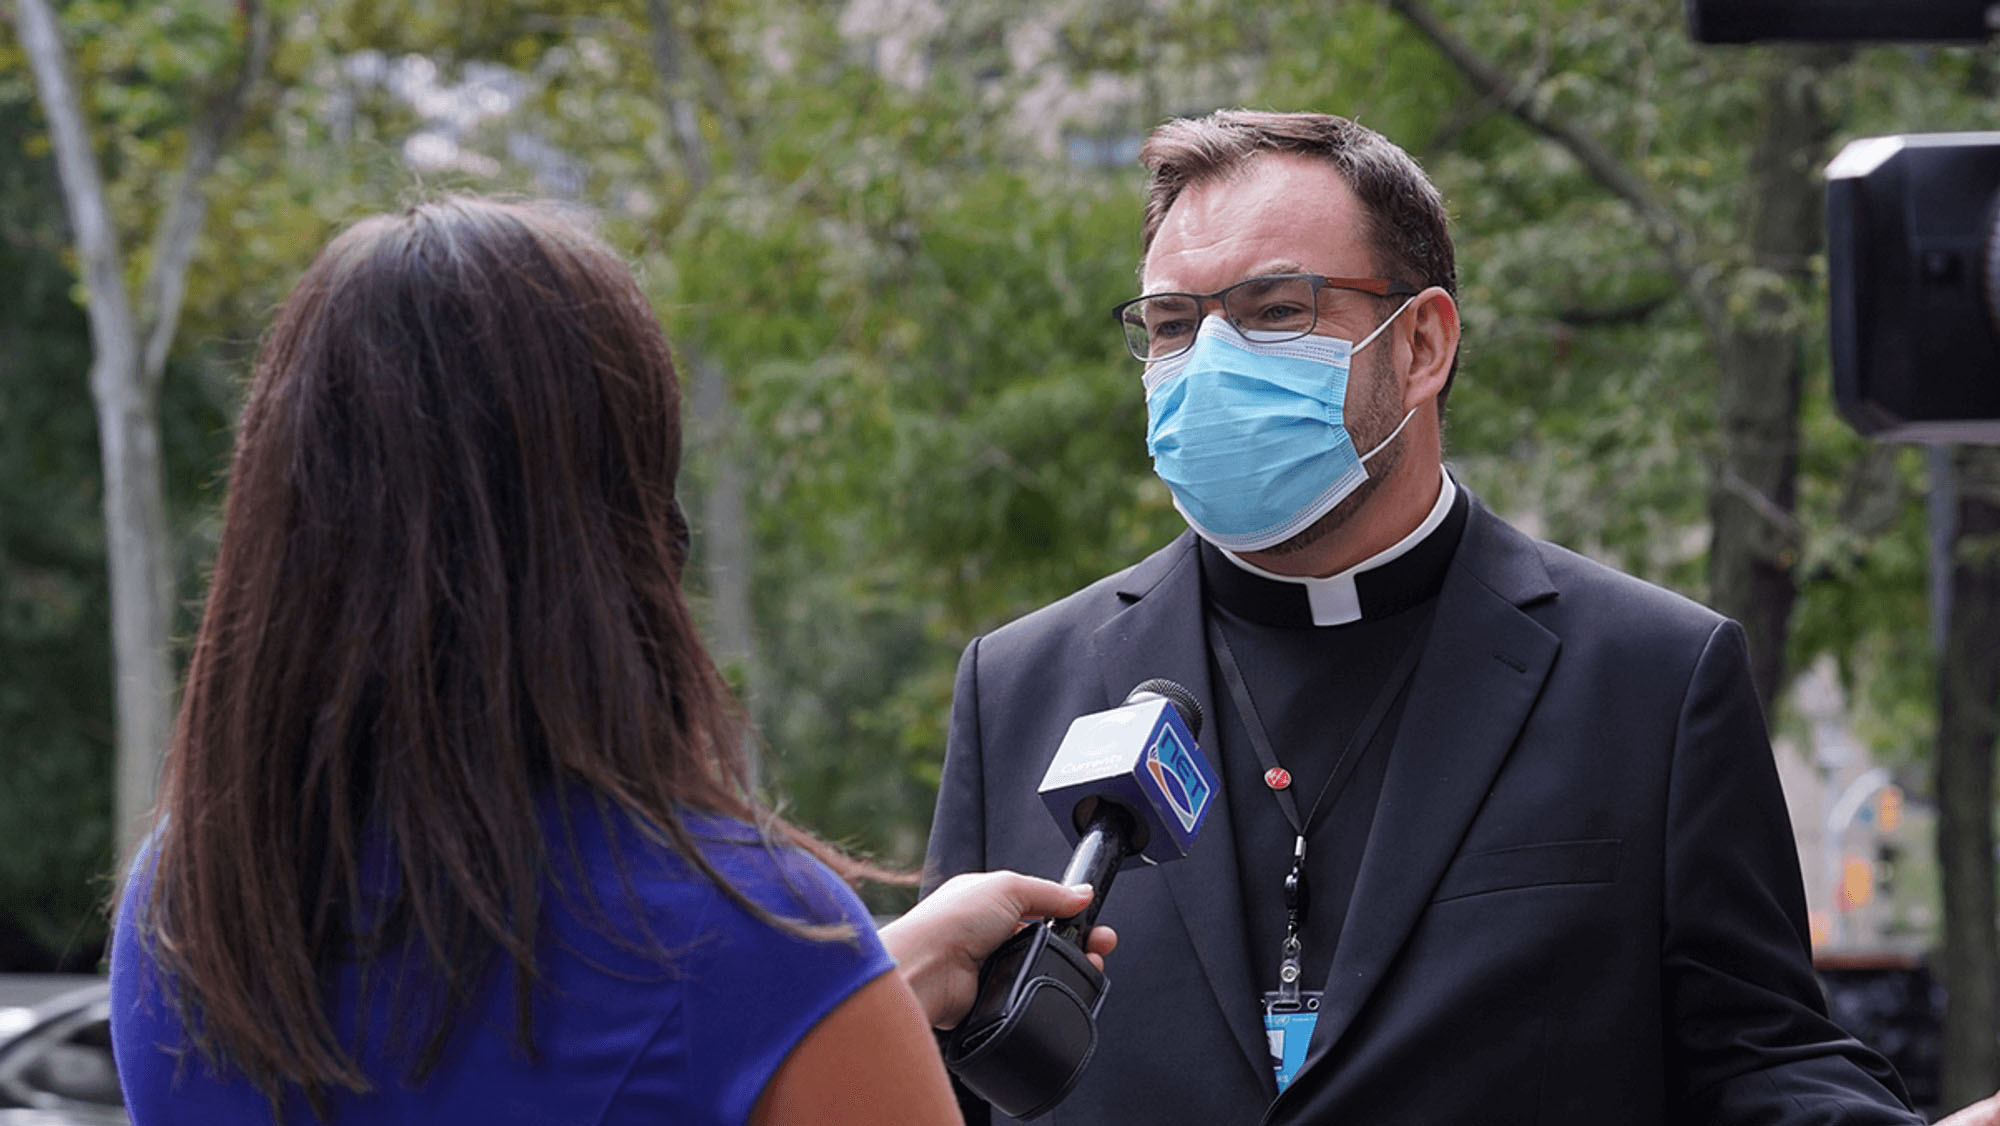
[{"x": 1105, "y": 843}]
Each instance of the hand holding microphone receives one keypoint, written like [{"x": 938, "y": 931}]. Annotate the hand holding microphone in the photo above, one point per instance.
[
  {"x": 1129, "y": 786},
  {"x": 940, "y": 943}
]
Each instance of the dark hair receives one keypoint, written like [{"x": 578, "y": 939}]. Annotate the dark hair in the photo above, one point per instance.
[
  {"x": 448, "y": 579},
  {"x": 1405, "y": 215}
]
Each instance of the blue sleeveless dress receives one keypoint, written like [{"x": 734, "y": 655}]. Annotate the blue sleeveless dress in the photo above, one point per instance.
[{"x": 621, "y": 1037}]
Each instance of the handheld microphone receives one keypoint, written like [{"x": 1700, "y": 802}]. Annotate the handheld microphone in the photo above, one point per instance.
[{"x": 1128, "y": 786}]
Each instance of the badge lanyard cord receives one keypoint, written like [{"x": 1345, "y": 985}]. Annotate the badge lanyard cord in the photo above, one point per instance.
[{"x": 1296, "y": 896}]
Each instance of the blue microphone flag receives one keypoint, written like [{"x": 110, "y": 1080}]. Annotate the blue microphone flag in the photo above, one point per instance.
[{"x": 1142, "y": 757}]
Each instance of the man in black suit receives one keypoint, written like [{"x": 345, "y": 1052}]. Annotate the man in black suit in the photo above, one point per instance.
[{"x": 1501, "y": 838}]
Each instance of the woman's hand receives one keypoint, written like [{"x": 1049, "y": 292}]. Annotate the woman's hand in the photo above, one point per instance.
[
  {"x": 1985, "y": 1112},
  {"x": 940, "y": 943}
]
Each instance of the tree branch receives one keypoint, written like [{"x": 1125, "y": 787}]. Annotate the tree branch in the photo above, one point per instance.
[
  {"x": 109, "y": 306},
  {"x": 1777, "y": 518},
  {"x": 187, "y": 205},
  {"x": 1661, "y": 225},
  {"x": 1630, "y": 312}
]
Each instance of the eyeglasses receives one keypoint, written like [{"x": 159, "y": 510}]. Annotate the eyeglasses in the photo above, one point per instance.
[{"x": 1160, "y": 326}]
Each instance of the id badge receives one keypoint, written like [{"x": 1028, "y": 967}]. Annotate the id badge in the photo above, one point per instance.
[{"x": 1288, "y": 1029}]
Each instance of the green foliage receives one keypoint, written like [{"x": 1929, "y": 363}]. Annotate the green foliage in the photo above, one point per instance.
[
  {"x": 55, "y": 681},
  {"x": 906, "y": 286},
  {"x": 55, "y": 660},
  {"x": 945, "y": 428}
]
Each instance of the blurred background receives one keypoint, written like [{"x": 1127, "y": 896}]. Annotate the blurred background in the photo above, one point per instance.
[{"x": 884, "y": 237}]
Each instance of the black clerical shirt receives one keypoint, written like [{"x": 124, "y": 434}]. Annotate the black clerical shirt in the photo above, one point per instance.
[{"x": 1312, "y": 685}]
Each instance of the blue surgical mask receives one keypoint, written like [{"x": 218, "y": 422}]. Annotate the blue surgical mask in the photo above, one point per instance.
[{"x": 1250, "y": 436}]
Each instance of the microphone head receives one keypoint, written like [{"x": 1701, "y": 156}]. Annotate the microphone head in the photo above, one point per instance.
[
  {"x": 1184, "y": 701},
  {"x": 1143, "y": 757}
]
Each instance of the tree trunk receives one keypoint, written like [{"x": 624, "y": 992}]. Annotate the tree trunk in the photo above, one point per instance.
[
  {"x": 129, "y": 356},
  {"x": 1968, "y": 727},
  {"x": 142, "y": 592},
  {"x": 723, "y": 511},
  {"x": 135, "y": 510},
  {"x": 725, "y": 519},
  {"x": 1751, "y": 546},
  {"x": 1754, "y": 543}
]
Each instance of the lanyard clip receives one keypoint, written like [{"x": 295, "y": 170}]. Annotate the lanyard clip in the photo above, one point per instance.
[
  {"x": 1298, "y": 901},
  {"x": 1289, "y": 970}
]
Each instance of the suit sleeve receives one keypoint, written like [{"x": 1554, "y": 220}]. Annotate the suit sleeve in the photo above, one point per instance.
[
  {"x": 1748, "y": 1039},
  {"x": 958, "y": 825}
]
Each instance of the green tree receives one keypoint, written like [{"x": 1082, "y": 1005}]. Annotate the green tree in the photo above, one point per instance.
[
  {"x": 131, "y": 340},
  {"x": 55, "y": 654},
  {"x": 884, "y": 252}
]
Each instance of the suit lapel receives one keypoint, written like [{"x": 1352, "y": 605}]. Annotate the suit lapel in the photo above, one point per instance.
[
  {"x": 1160, "y": 634},
  {"x": 1482, "y": 670}
]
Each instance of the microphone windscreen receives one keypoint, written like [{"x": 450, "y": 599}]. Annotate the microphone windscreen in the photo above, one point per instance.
[{"x": 1183, "y": 700}]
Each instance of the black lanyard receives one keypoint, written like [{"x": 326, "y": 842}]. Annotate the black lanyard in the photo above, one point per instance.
[{"x": 1296, "y": 897}]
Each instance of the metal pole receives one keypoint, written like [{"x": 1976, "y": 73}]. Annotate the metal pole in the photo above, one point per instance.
[
  {"x": 1839, "y": 816},
  {"x": 1942, "y": 507}
]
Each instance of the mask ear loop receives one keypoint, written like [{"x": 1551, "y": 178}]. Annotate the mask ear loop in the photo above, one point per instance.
[
  {"x": 1367, "y": 340},
  {"x": 1386, "y": 322},
  {"x": 1392, "y": 435}
]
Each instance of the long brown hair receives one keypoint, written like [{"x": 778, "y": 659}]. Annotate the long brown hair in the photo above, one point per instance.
[{"x": 449, "y": 578}]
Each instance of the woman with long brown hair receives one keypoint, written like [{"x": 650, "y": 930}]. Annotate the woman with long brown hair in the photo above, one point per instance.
[{"x": 455, "y": 824}]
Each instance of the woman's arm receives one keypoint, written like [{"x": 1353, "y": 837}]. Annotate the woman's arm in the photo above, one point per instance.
[{"x": 872, "y": 1062}]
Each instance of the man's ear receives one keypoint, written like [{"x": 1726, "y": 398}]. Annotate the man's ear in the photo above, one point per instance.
[{"x": 1433, "y": 318}]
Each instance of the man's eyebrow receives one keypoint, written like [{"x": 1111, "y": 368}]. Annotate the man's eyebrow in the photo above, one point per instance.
[{"x": 1282, "y": 266}]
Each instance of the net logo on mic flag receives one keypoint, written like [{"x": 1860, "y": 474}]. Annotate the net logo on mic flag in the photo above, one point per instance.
[
  {"x": 1179, "y": 778},
  {"x": 1142, "y": 757}
]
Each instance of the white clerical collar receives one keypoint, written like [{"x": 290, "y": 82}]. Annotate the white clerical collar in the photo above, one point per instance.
[{"x": 1334, "y": 599}]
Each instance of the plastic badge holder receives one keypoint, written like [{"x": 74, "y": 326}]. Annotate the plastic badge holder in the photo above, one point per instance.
[{"x": 1033, "y": 1027}]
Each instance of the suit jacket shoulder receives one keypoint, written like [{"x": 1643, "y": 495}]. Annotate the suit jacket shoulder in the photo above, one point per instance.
[
  {"x": 1068, "y": 625},
  {"x": 1615, "y": 616}
]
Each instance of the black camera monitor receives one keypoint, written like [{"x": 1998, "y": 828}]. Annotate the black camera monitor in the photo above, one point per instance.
[
  {"x": 1913, "y": 259},
  {"x": 1886, "y": 21}
]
